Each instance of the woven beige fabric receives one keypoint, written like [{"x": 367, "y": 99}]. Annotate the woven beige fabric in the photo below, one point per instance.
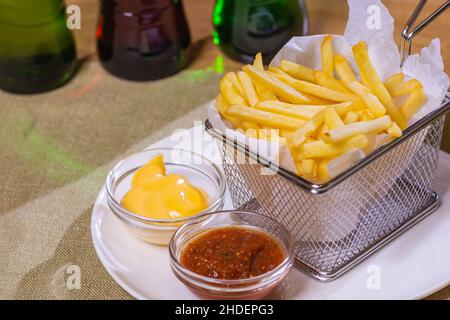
[{"x": 55, "y": 151}]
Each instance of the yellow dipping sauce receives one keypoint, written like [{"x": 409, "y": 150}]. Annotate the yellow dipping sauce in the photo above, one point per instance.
[{"x": 156, "y": 195}]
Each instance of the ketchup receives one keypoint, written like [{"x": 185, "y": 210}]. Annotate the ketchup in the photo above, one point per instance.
[{"x": 232, "y": 253}]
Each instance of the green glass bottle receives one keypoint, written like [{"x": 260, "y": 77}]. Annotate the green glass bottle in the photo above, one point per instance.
[
  {"x": 37, "y": 50},
  {"x": 243, "y": 28}
]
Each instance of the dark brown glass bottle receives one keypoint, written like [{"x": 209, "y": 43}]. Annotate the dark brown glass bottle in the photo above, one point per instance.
[{"x": 143, "y": 40}]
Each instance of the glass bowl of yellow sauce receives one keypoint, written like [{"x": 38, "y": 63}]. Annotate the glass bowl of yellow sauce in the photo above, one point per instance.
[{"x": 156, "y": 191}]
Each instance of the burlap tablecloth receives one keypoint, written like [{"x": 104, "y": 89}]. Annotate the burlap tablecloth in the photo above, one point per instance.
[{"x": 56, "y": 149}]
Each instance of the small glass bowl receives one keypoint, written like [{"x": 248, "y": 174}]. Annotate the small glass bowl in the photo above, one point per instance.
[
  {"x": 200, "y": 172},
  {"x": 252, "y": 288}
]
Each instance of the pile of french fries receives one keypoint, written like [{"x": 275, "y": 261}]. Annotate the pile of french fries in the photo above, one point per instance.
[{"x": 324, "y": 116}]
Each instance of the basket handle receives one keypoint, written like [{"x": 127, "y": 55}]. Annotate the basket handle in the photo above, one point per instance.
[{"x": 407, "y": 35}]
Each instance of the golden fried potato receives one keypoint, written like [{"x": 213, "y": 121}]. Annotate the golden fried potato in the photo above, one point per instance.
[
  {"x": 321, "y": 149},
  {"x": 230, "y": 93},
  {"x": 258, "y": 63},
  {"x": 415, "y": 100},
  {"x": 248, "y": 88},
  {"x": 330, "y": 83},
  {"x": 264, "y": 118},
  {"x": 296, "y": 111},
  {"x": 306, "y": 130},
  {"x": 402, "y": 88},
  {"x": 376, "y": 85},
  {"x": 328, "y": 57},
  {"x": 362, "y": 127},
  {"x": 277, "y": 86},
  {"x": 298, "y": 71}
]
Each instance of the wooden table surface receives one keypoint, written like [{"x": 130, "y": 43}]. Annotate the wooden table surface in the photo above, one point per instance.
[{"x": 326, "y": 16}]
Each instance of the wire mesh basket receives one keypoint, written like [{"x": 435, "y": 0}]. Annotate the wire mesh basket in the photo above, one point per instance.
[{"x": 337, "y": 224}]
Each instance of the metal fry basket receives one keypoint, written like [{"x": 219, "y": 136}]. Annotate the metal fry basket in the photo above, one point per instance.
[{"x": 338, "y": 224}]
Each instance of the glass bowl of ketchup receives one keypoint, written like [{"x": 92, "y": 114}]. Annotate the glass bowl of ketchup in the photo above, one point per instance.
[
  {"x": 156, "y": 191},
  {"x": 232, "y": 255}
]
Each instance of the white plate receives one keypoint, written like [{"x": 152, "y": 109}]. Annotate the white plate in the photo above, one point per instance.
[{"x": 411, "y": 267}]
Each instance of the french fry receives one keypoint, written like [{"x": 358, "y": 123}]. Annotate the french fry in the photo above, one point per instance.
[
  {"x": 402, "y": 88},
  {"x": 343, "y": 107},
  {"x": 345, "y": 72},
  {"x": 258, "y": 62},
  {"x": 330, "y": 83},
  {"x": 371, "y": 145},
  {"x": 365, "y": 82},
  {"x": 267, "y": 132},
  {"x": 413, "y": 103},
  {"x": 232, "y": 77},
  {"x": 295, "y": 111},
  {"x": 338, "y": 165},
  {"x": 322, "y": 171},
  {"x": 343, "y": 69},
  {"x": 394, "y": 130},
  {"x": 308, "y": 168},
  {"x": 383, "y": 139},
  {"x": 357, "y": 104},
  {"x": 315, "y": 90},
  {"x": 321, "y": 131},
  {"x": 316, "y": 100},
  {"x": 264, "y": 118},
  {"x": 362, "y": 127},
  {"x": 276, "y": 70},
  {"x": 306, "y": 130},
  {"x": 394, "y": 80},
  {"x": 351, "y": 117},
  {"x": 288, "y": 79},
  {"x": 277, "y": 86},
  {"x": 248, "y": 87},
  {"x": 298, "y": 166},
  {"x": 307, "y": 107},
  {"x": 230, "y": 93},
  {"x": 323, "y": 92},
  {"x": 238, "y": 89},
  {"x": 285, "y": 133},
  {"x": 248, "y": 125},
  {"x": 222, "y": 106},
  {"x": 332, "y": 119},
  {"x": 263, "y": 93},
  {"x": 367, "y": 115},
  {"x": 373, "y": 80},
  {"x": 371, "y": 100},
  {"x": 321, "y": 149},
  {"x": 297, "y": 71},
  {"x": 272, "y": 135},
  {"x": 327, "y": 57}
]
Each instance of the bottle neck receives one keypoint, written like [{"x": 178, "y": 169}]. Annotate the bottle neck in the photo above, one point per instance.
[{"x": 29, "y": 12}]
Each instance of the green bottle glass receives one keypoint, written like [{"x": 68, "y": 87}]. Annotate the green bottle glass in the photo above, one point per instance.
[
  {"x": 242, "y": 28},
  {"x": 37, "y": 50}
]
